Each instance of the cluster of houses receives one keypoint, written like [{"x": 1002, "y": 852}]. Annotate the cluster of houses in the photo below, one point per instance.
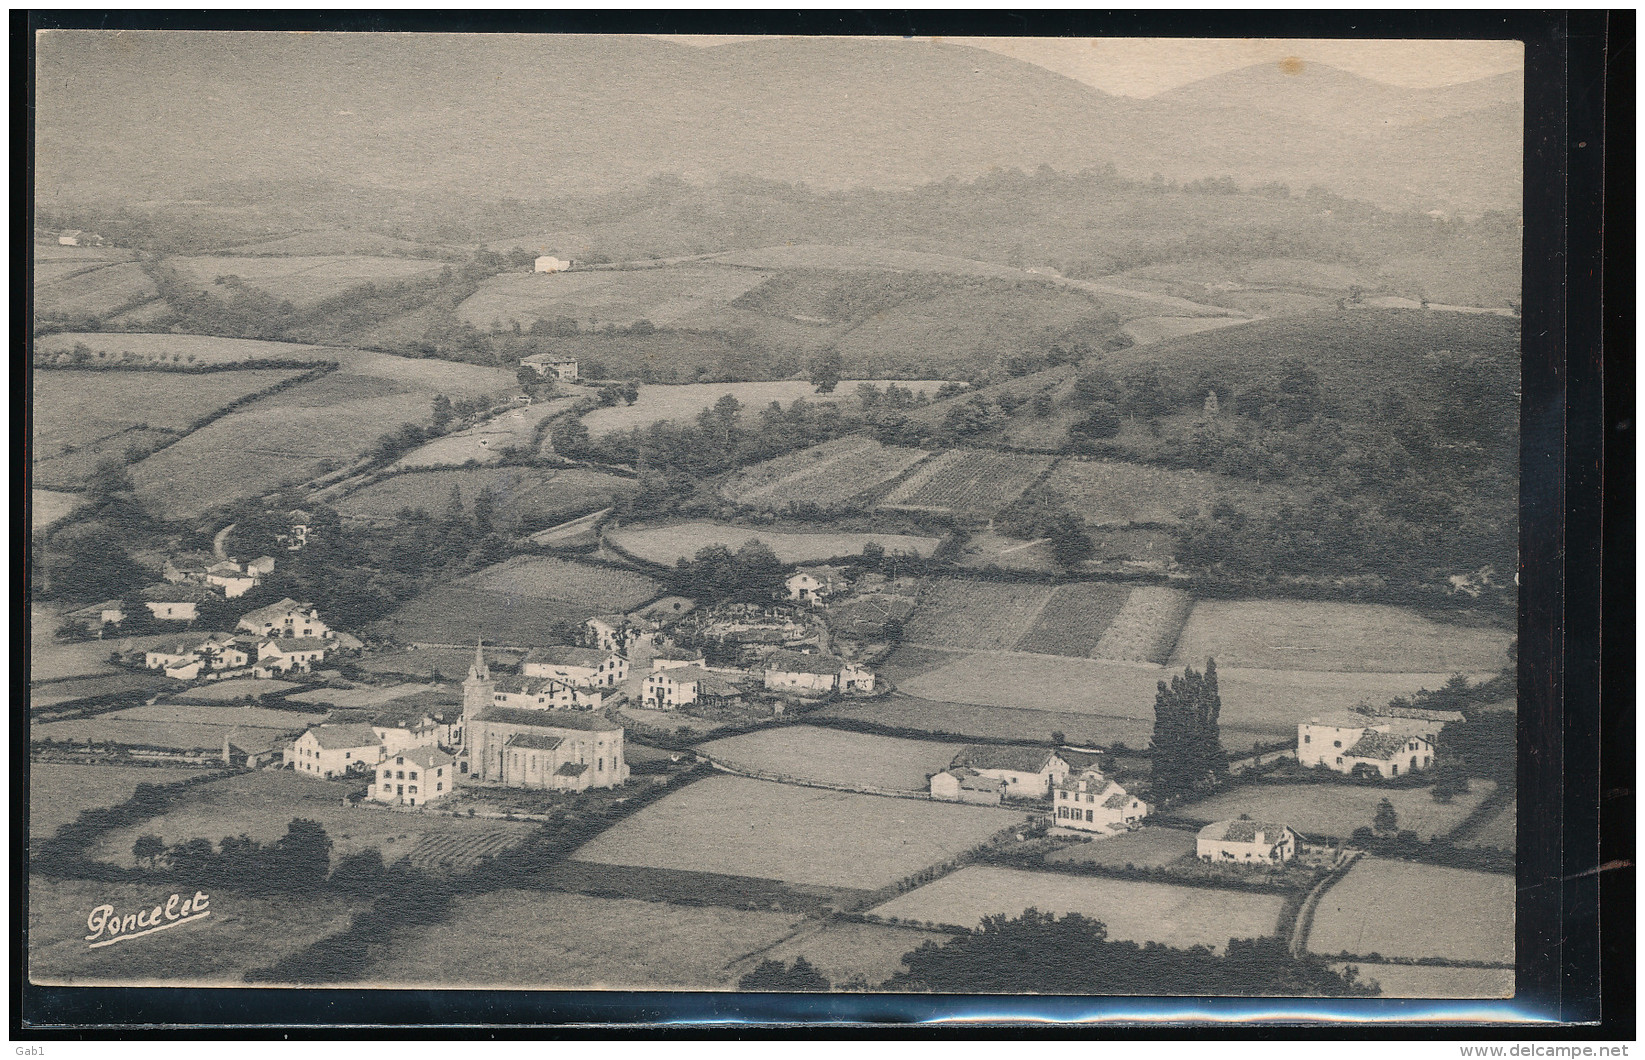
[
  {"x": 283, "y": 638},
  {"x": 1385, "y": 741},
  {"x": 1083, "y": 800}
]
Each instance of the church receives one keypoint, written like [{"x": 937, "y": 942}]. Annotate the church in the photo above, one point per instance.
[{"x": 522, "y": 747}]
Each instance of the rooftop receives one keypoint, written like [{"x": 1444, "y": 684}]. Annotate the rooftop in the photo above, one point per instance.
[
  {"x": 534, "y": 741},
  {"x": 1378, "y": 746},
  {"x": 178, "y": 593},
  {"x": 581, "y": 721},
  {"x": 1015, "y": 759},
  {"x": 274, "y": 611},
  {"x": 1242, "y": 831},
  {"x": 566, "y": 655},
  {"x": 793, "y": 662},
  {"x": 291, "y": 644},
  {"x": 427, "y": 757},
  {"x": 339, "y": 737},
  {"x": 1414, "y": 713}
]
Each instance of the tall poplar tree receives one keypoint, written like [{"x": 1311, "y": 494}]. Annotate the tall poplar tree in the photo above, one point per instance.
[{"x": 1187, "y": 751}]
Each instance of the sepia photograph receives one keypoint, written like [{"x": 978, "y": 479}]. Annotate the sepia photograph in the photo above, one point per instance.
[{"x": 805, "y": 514}]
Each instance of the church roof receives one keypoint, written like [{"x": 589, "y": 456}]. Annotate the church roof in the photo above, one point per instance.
[{"x": 550, "y": 719}]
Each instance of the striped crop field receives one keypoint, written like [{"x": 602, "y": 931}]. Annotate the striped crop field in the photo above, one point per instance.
[
  {"x": 974, "y": 615},
  {"x": 971, "y": 482}
]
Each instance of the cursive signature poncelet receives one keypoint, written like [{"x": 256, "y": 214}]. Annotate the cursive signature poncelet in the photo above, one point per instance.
[{"x": 108, "y": 927}]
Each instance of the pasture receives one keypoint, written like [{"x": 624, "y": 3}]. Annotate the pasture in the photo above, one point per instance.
[
  {"x": 96, "y": 292},
  {"x": 240, "y": 934},
  {"x": 968, "y": 720},
  {"x": 1113, "y": 493},
  {"x": 1146, "y": 627},
  {"x": 574, "y": 941},
  {"x": 58, "y": 792},
  {"x": 1138, "y": 912},
  {"x": 1361, "y": 638},
  {"x": 49, "y": 506},
  {"x": 364, "y": 696},
  {"x": 845, "y": 952},
  {"x": 519, "y": 601},
  {"x": 606, "y": 296},
  {"x": 299, "y": 279},
  {"x": 234, "y": 689},
  {"x": 737, "y": 826},
  {"x": 1317, "y": 810},
  {"x": 486, "y": 441},
  {"x": 519, "y": 496},
  {"x": 1144, "y": 848},
  {"x": 204, "y": 349},
  {"x": 1501, "y": 830},
  {"x": 828, "y": 474},
  {"x": 665, "y": 543},
  {"x": 974, "y": 483},
  {"x": 179, "y": 727},
  {"x": 1409, "y": 909},
  {"x": 832, "y": 756},
  {"x": 681, "y": 402},
  {"x": 261, "y": 804},
  {"x": 985, "y": 548},
  {"x": 51, "y": 659},
  {"x": 1074, "y": 618},
  {"x": 331, "y": 242},
  {"x": 430, "y": 663},
  {"x": 974, "y": 615},
  {"x": 74, "y": 689},
  {"x": 1427, "y": 980}
]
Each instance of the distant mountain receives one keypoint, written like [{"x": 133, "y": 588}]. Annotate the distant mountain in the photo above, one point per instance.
[{"x": 136, "y": 116}]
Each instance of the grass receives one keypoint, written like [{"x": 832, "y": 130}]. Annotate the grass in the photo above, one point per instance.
[
  {"x": 1112, "y": 493},
  {"x": 836, "y": 757},
  {"x": 974, "y": 615},
  {"x": 1074, "y": 618},
  {"x": 573, "y": 941},
  {"x": 985, "y": 548},
  {"x": 180, "y": 727},
  {"x": 975, "y": 483},
  {"x": 48, "y": 506},
  {"x": 1500, "y": 830},
  {"x": 261, "y": 804},
  {"x": 206, "y": 349},
  {"x": 665, "y": 543},
  {"x": 529, "y": 495},
  {"x": 844, "y": 952},
  {"x": 1301, "y": 635},
  {"x": 602, "y": 589},
  {"x": 301, "y": 280},
  {"x": 78, "y": 688},
  {"x": 1144, "y": 848},
  {"x": 738, "y": 826},
  {"x": 59, "y": 791},
  {"x": 968, "y": 720},
  {"x": 1419, "y": 980},
  {"x": 1133, "y": 911},
  {"x": 429, "y": 663},
  {"x": 51, "y": 659},
  {"x": 597, "y": 298},
  {"x": 1337, "y": 809},
  {"x": 518, "y": 601},
  {"x": 827, "y": 474},
  {"x": 235, "y": 689},
  {"x": 486, "y": 441},
  {"x": 680, "y": 402},
  {"x": 1147, "y": 627},
  {"x": 95, "y": 293},
  {"x": 1410, "y": 909},
  {"x": 241, "y": 933},
  {"x": 365, "y": 696}
]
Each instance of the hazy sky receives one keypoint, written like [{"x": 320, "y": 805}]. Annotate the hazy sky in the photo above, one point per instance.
[{"x": 1143, "y": 66}]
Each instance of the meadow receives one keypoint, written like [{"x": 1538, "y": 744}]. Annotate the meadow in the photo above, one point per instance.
[
  {"x": 1366, "y": 638},
  {"x": 827, "y": 474},
  {"x": 430, "y": 663},
  {"x": 51, "y": 659},
  {"x": 1146, "y": 627},
  {"x": 845, "y": 951},
  {"x": 574, "y": 941},
  {"x": 681, "y": 402},
  {"x": 204, "y": 349},
  {"x": 301, "y": 280},
  {"x": 529, "y": 496},
  {"x": 1133, "y": 911},
  {"x": 1426, "y": 980},
  {"x": 179, "y": 727},
  {"x": 1410, "y": 909},
  {"x": 666, "y": 543},
  {"x": 595, "y": 298},
  {"x": 49, "y": 506},
  {"x": 1074, "y": 618},
  {"x": 261, "y": 804},
  {"x": 365, "y": 695},
  {"x": 975, "y": 483},
  {"x": 974, "y": 615},
  {"x": 96, "y": 292},
  {"x": 737, "y": 826},
  {"x": 1144, "y": 848},
  {"x": 240, "y": 934},
  {"x": 334, "y": 241},
  {"x": 58, "y": 792},
  {"x": 486, "y": 441},
  {"x": 832, "y": 756},
  {"x": 973, "y": 721},
  {"x": 57, "y": 693},
  {"x": 1499, "y": 830},
  {"x": 519, "y": 601},
  {"x": 234, "y": 690},
  {"x": 985, "y": 548},
  {"x": 1318, "y": 810},
  {"x": 1113, "y": 493}
]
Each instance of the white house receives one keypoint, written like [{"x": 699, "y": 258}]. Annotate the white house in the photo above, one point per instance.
[
  {"x": 185, "y": 671},
  {"x": 164, "y": 658},
  {"x": 576, "y": 666},
  {"x": 287, "y": 618},
  {"x": 1028, "y": 772},
  {"x": 1389, "y": 745},
  {"x": 261, "y": 567},
  {"x": 286, "y": 654},
  {"x": 298, "y": 523},
  {"x": 96, "y": 616},
  {"x": 178, "y": 602},
  {"x": 684, "y": 685},
  {"x": 1322, "y": 738},
  {"x": 1390, "y": 753},
  {"x": 967, "y": 785},
  {"x": 808, "y": 674},
  {"x": 855, "y": 677},
  {"x": 813, "y": 585},
  {"x": 71, "y": 238},
  {"x": 187, "y": 566},
  {"x": 677, "y": 658},
  {"x": 551, "y": 366},
  {"x": 230, "y": 577},
  {"x": 1090, "y": 802},
  {"x": 1246, "y": 842},
  {"x": 545, "y": 693},
  {"x": 225, "y": 652},
  {"x": 549, "y": 263},
  {"x": 414, "y": 776},
  {"x": 332, "y": 750}
]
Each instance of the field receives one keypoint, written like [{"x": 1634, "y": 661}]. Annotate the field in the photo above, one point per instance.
[
  {"x": 1365, "y": 638},
  {"x": 985, "y": 548},
  {"x": 58, "y": 792},
  {"x": 835, "y": 757},
  {"x": 968, "y": 720},
  {"x": 607, "y": 296},
  {"x": 182, "y": 727},
  {"x": 1146, "y": 627},
  {"x": 737, "y": 826},
  {"x": 845, "y": 951},
  {"x": 664, "y": 544},
  {"x": 1138, "y": 912},
  {"x": 57, "y": 693},
  {"x": 430, "y": 663},
  {"x": 975, "y": 615},
  {"x": 529, "y": 496},
  {"x": 1144, "y": 330},
  {"x": 1424, "y": 980},
  {"x": 296, "y": 433},
  {"x": 48, "y": 506},
  {"x": 1145, "y": 848},
  {"x": 575, "y": 941},
  {"x": 97, "y": 292},
  {"x": 1110, "y": 493},
  {"x": 240, "y": 934},
  {"x": 1500, "y": 830},
  {"x": 485, "y": 442},
  {"x": 975, "y": 483},
  {"x": 234, "y": 689},
  {"x": 1408, "y": 909},
  {"x": 365, "y": 696},
  {"x": 333, "y": 241},
  {"x": 827, "y": 474},
  {"x": 205, "y": 349},
  {"x": 263, "y": 803},
  {"x": 1337, "y": 809},
  {"x": 518, "y": 601},
  {"x": 301, "y": 280},
  {"x": 680, "y": 403},
  {"x": 1074, "y": 618},
  {"x": 51, "y": 659}
]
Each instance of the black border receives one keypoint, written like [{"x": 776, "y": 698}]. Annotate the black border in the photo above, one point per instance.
[{"x": 1577, "y": 411}]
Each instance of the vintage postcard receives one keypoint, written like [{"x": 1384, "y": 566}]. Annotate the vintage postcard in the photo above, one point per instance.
[{"x": 958, "y": 515}]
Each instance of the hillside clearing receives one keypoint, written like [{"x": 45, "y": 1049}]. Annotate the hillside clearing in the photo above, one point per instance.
[{"x": 665, "y": 544}]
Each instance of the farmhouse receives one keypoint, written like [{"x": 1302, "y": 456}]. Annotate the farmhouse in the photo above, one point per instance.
[
  {"x": 328, "y": 751},
  {"x": 1090, "y": 802},
  {"x": 670, "y": 658},
  {"x": 576, "y": 666},
  {"x": 967, "y": 785},
  {"x": 549, "y": 263},
  {"x": 223, "y": 652},
  {"x": 176, "y": 603},
  {"x": 813, "y": 585},
  {"x": 807, "y": 674},
  {"x": 438, "y": 712},
  {"x": 187, "y": 566},
  {"x": 1028, "y": 772},
  {"x": 397, "y": 729},
  {"x": 1322, "y": 739},
  {"x": 167, "y": 657},
  {"x": 228, "y": 576},
  {"x": 261, "y": 567},
  {"x": 1343, "y": 741},
  {"x": 1388, "y": 752},
  {"x": 551, "y": 366},
  {"x": 1246, "y": 842},
  {"x": 287, "y": 618},
  {"x": 545, "y": 693},
  {"x": 684, "y": 685},
  {"x": 559, "y": 749},
  {"x": 298, "y": 525},
  {"x": 184, "y": 671},
  {"x": 287, "y": 654},
  {"x": 95, "y": 617},
  {"x": 414, "y": 777},
  {"x": 1420, "y": 720}
]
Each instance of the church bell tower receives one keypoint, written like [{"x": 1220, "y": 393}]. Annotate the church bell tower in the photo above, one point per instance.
[{"x": 477, "y": 694}]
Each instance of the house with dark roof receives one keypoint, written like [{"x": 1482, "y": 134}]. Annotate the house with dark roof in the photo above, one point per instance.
[
  {"x": 187, "y": 566},
  {"x": 285, "y": 618},
  {"x": 1088, "y": 801},
  {"x": 1388, "y": 745},
  {"x": 279, "y": 655},
  {"x": 814, "y": 674},
  {"x": 578, "y": 667},
  {"x": 95, "y": 618},
  {"x": 1028, "y": 772},
  {"x": 1390, "y": 753},
  {"x": 682, "y": 686},
  {"x": 1246, "y": 842},
  {"x": 546, "y": 693},
  {"x": 328, "y": 751},
  {"x": 414, "y": 776},
  {"x": 967, "y": 785}
]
